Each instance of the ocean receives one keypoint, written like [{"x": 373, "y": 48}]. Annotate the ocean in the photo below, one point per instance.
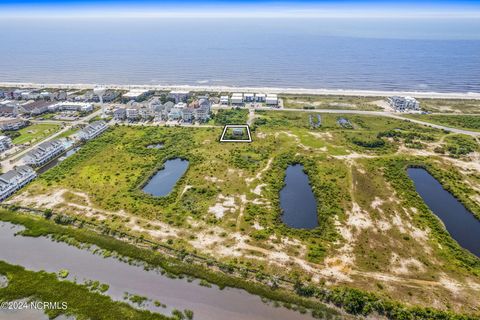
[{"x": 408, "y": 54}]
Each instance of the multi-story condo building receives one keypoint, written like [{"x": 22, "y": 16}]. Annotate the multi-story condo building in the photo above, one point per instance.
[
  {"x": 271, "y": 100},
  {"x": 13, "y": 124},
  {"x": 260, "y": 97},
  {"x": 15, "y": 179},
  {"x": 119, "y": 113},
  {"x": 132, "y": 114},
  {"x": 249, "y": 97},
  {"x": 93, "y": 130},
  {"x": 44, "y": 153},
  {"x": 71, "y": 106},
  {"x": 404, "y": 103},
  {"x": 5, "y": 143},
  {"x": 237, "y": 99}
]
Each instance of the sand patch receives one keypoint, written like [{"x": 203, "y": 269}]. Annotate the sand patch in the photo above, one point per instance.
[
  {"x": 405, "y": 265},
  {"x": 258, "y": 189},
  {"x": 223, "y": 206}
]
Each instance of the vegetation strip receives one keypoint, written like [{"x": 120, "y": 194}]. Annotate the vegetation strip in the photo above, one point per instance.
[
  {"x": 352, "y": 301},
  {"x": 80, "y": 300}
]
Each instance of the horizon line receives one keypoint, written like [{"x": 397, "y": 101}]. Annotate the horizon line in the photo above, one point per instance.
[{"x": 247, "y": 9}]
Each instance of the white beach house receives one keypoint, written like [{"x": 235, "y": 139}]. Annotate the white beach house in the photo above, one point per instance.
[
  {"x": 271, "y": 100},
  {"x": 224, "y": 100},
  {"x": 237, "y": 99},
  {"x": 5, "y": 143},
  {"x": 249, "y": 97},
  {"x": 15, "y": 179},
  {"x": 44, "y": 153},
  {"x": 93, "y": 130},
  {"x": 260, "y": 97},
  {"x": 402, "y": 104}
]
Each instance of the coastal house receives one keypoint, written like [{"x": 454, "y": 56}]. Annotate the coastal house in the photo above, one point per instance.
[
  {"x": 271, "y": 100},
  {"x": 167, "y": 107},
  {"x": 93, "y": 130},
  {"x": 157, "y": 110},
  {"x": 187, "y": 114},
  {"x": 224, "y": 100},
  {"x": 30, "y": 95},
  {"x": 47, "y": 95},
  {"x": 13, "y": 124},
  {"x": 176, "y": 112},
  {"x": 17, "y": 93},
  {"x": 237, "y": 99},
  {"x": 5, "y": 143},
  {"x": 8, "y": 108},
  {"x": 83, "y": 97},
  {"x": 238, "y": 132},
  {"x": 15, "y": 179},
  {"x": 136, "y": 95},
  {"x": 402, "y": 104},
  {"x": 146, "y": 113},
  {"x": 132, "y": 114},
  {"x": 61, "y": 95},
  {"x": 202, "y": 111},
  {"x": 44, "y": 153},
  {"x": 260, "y": 97},
  {"x": 108, "y": 96},
  {"x": 119, "y": 114},
  {"x": 179, "y": 95},
  {"x": 249, "y": 97}
]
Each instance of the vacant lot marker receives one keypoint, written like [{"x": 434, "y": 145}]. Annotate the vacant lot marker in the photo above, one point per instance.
[{"x": 236, "y": 133}]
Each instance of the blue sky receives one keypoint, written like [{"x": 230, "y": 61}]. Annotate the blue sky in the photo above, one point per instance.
[{"x": 242, "y": 8}]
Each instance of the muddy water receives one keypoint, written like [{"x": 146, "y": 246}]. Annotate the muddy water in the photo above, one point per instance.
[
  {"x": 459, "y": 222},
  {"x": 297, "y": 200},
  {"x": 207, "y": 303}
]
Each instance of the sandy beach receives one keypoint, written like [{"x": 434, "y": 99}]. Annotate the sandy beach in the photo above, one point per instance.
[{"x": 296, "y": 91}]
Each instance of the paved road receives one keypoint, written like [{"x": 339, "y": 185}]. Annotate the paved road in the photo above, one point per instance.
[
  {"x": 7, "y": 165},
  {"x": 373, "y": 113}
]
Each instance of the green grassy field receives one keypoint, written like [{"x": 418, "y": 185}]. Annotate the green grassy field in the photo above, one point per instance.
[
  {"x": 330, "y": 102},
  {"x": 374, "y": 234},
  {"x": 468, "y": 122},
  {"x": 68, "y": 133},
  {"x": 450, "y": 105},
  {"x": 35, "y": 132}
]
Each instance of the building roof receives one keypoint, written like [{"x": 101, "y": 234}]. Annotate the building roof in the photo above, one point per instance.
[
  {"x": 168, "y": 104},
  {"x": 179, "y": 92},
  {"x": 12, "y": 174},
  {"x": 134, "y": 93},
  {"x": 35, "y": 104},
  {"x": 43, "y": 147}
]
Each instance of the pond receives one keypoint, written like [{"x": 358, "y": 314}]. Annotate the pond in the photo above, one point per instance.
[
  {"x": 162, "y": 182},
  {"x": 299, "y": 207},
  {"x": 459, "y": 222},
  {"x": 207, "y": 303}
]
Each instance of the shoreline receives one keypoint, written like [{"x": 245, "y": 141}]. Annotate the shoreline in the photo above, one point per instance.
[{"x": 230, "y": 89}]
